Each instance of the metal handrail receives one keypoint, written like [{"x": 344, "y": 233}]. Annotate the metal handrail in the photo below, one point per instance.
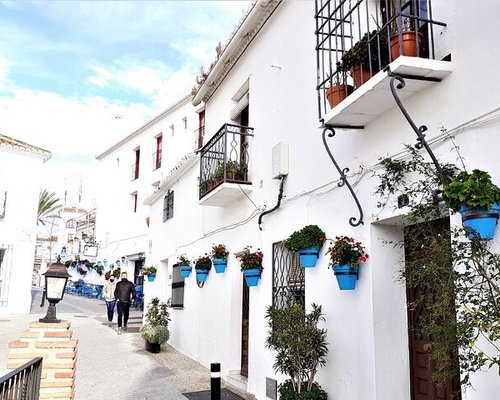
[{"x": 23, "y": 383}]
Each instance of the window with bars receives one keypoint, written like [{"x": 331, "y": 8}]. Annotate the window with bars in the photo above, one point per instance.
[
  {"x": 288, "y": 277},
  {"x": 177, "y": 287},
  {"x": 168, "y": 205}
]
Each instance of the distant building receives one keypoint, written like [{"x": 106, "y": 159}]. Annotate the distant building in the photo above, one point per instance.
[{"x": 20, "y": 170}]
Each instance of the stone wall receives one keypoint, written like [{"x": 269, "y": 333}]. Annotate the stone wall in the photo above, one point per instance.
[{"x": 55, "y": 343}]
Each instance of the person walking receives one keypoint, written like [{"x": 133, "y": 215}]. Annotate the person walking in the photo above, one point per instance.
[
  {"x": 125, "y": 296},
  {"x": 109, "y": 297}
]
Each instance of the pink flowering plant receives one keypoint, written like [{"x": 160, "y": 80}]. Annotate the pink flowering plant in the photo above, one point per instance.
[
  {"x": 345, "y": 251},
  {"x": 219, "y": 251},
  {"x": 251, "y": 260}
]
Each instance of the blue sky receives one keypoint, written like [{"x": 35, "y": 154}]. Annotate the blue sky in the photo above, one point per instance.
[{"x": 67, "y": 68}]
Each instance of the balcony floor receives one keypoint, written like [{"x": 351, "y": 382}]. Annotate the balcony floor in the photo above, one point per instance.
[
  {"x": 225, "y": 193},
  {"x": 374, "y": 97}
]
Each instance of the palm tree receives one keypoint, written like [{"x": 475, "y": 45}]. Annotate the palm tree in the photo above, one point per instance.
[{"x": 48, "y": 206}]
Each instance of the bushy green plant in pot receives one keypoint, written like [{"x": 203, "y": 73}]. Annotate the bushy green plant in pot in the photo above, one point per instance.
[
  {"x": 301, "y": 348},
  {"x": 251, "y": 265},
  {"x": 185, "y": 265},
  {"x": 219, "y": 257},
  {"x": 345, "y": 255},
  {"x": 307, "y": 242},
  {"x": 150, "y": 272},
  {"x": 155, "y": 329},
  {"x": 477, "y": 199},
  {"x": 203, "y": 266}
]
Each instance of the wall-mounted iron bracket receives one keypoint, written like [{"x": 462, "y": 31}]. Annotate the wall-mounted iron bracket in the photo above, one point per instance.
[
  {"x": 343, "y": 178},
  {"x": 419, "y": 131}
]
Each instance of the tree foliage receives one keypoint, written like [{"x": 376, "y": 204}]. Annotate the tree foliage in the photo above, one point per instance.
[{"x": 48, "y": 205}]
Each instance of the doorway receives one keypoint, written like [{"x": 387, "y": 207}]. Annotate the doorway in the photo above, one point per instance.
[
  {"x": 244, "y": 328},
  {"x": 417, "y": 239}
]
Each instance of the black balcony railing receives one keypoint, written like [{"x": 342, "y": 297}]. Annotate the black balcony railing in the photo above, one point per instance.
[
  {"x": 156, "y": 160},
  {"x": 23, "y": 383},
  {"x": 225, "y": 158},
  {"x": 357, "y": 39},
  {"x": 135, "y": 171}
]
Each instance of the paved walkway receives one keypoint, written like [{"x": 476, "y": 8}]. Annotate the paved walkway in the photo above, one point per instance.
[{"x": 111, "y": 366}]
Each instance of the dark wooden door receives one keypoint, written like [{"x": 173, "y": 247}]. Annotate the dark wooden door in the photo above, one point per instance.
[
  {"x": 244, "y": 328},
  {"x": 421, "y": 366}
]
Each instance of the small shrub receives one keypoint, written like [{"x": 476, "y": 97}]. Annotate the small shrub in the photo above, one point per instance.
[
  {"x": 154, "y": 333},
  {"x": 308, "y": 236},
  {"x": 287, "y": 392}
]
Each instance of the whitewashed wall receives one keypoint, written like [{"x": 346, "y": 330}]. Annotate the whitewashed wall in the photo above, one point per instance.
[
  {"x": 19, "y": 175},
  {"x": 367, "y": 328}
]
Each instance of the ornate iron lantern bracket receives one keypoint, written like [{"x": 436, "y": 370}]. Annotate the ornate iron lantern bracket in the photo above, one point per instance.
[
  {"x": 419, "y": 131},
  {"x": 343, "y": 178}
]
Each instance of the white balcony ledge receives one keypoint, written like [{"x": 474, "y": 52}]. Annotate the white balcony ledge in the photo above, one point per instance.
[
  {"x": 225, "y": 193},
  {"x": 374, "y": 97}
]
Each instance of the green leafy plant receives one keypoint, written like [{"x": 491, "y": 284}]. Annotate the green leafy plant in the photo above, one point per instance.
[
  {"x": 149, "y": 270},
  {"x": 365, "y": 50},
  {"x": 345, "y": 251},
  {"x": 219, "y": 251},
  {"x": 251, "y": 260},
  {"x": 309, "y": 236},
  {"x": 300, "y": 346},
  {"x": 154, "y": 334},
  {"x": 183, "y": 260},
  {"x": 203, "y": 263},
  {"x": 286, "y": 392},
  {"x": 157, "y": 312},
  {"x": 474, "y": 190}
]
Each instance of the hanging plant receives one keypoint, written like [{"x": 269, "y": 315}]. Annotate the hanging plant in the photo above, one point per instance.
[
  {"x": 251, "y": 265},
  {"x": 219, "y": 257},
  {"x": 307, "y": 242},
  {"x": 203, "y": 266},
  {"x": 345, "y": 255},
  {"x": 185, "y": 266}
]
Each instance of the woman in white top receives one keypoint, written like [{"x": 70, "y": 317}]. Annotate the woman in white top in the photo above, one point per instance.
[{"x": 109, "y": 296}]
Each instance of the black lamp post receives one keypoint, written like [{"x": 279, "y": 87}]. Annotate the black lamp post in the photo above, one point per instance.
[{"x": 56, "y": 278}]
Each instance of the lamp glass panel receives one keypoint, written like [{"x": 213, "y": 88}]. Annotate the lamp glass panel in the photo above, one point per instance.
[{"x": 55, "y": 287}]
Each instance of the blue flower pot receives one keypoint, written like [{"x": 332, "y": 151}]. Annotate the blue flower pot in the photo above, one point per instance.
[
  {"x": 220, "y": 265},
  {"x": 252, "y": 276},
  {"x": 151, "y": 277},
  {"x": 480, "y": 223},
  {"x": 346, "y": 277},
  {"x": 201, "y": 275},
  {"x": 186, "y": 270},
  {"x": 308, "y": 257}
]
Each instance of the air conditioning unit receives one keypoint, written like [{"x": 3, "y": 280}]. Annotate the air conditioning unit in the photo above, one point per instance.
[{"x": 280, "y": 160}]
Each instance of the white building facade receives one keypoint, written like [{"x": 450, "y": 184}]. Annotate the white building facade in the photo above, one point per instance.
[
  {"x": 262, "y": 95},
  {"x": 21, "y": 166},
  {"x": 131, "y": 170}
]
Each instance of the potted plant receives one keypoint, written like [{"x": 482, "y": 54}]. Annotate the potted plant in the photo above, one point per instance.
[
  {"x": 155, "y": 330},
  {"x": 339, "y": 91},
  {"x": 345, "y": 256},
  {"x": 477, "y": 199},
  {"x": 307, "y": 242},
  {"x": 186, "y": 268},
  {"x": 150, "y": 272},
  {"x": 410, "y": 39},
  {"x": 219, "y": 257},
  {"x": 251, "y": 265},
  {"x": 203, "y": 265}
]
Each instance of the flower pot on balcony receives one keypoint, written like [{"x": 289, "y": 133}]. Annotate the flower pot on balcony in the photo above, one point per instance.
[
  {"x": 480, "y": 223},
  {"x": 220, "y": 264},
  {"x": 308, "y": 257},
  {"x": 337, "y": 93},
  {"x": 252, "y": 276},
  {"x": 346, "y": 276},
  {"x": 360, "y": 74},
  {"x": 151, "y": 277},
  {"x": 186, "y": 270},
  {"x": 410, "y": 44},
  {"x": 201, "y": 275}
]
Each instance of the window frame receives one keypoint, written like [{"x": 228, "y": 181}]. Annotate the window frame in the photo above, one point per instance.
[
  {"x": 178, "y": 282},
  {"x": 168, "y": 206}
]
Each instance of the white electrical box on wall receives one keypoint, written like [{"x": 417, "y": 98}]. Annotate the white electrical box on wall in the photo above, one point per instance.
[{"x": 280, "y": 160}]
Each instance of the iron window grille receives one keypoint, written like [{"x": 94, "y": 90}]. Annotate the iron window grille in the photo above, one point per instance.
[
  {"x": 289, "y": 286},
  {"x": 375, "y": 31},
  {"x": 225, "y": 158},
  {"x": 177, "y": 287},
  {"x": 168, "y": 205}
]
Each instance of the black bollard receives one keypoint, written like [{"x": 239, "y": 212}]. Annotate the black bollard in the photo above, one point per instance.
[{"x": 215, "y": 381}]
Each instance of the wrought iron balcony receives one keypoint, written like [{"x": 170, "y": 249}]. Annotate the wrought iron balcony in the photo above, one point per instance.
[
  {"x": 356, "y": 40},
  {"x": 225, "y": 159}
]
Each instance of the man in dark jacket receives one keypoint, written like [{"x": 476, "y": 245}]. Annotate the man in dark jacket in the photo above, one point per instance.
[{"x": 124, "y": 295}]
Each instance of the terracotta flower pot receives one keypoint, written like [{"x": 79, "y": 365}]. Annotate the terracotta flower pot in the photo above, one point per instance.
[
  {"x": 410, "y": 44},
  {"x": 360, "y": 75},
  {"x": 337, "y": 93}
]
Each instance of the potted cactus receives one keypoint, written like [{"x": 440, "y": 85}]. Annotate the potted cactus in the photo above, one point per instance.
[
  {"x": 345, "y": 256},
  {"x": 307, "y": 242},
  {"x": 203, "y": 265},
  {"x": 219, "y": 257},
  {"x": 186, "y": 268},
  {"x": 251, "y": 265}
]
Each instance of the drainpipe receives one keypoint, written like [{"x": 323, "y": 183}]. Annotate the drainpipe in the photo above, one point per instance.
[{"x": 280, "y": 196}]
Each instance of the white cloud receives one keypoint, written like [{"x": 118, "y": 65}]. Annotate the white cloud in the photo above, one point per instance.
[{"x": 4, "y": 69}]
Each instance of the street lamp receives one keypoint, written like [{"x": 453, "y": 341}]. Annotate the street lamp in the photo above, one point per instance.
[{"x": 56, "y": 278}]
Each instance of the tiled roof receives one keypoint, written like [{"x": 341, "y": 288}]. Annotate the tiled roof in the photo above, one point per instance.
[{"x": 17, "y": 145}]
